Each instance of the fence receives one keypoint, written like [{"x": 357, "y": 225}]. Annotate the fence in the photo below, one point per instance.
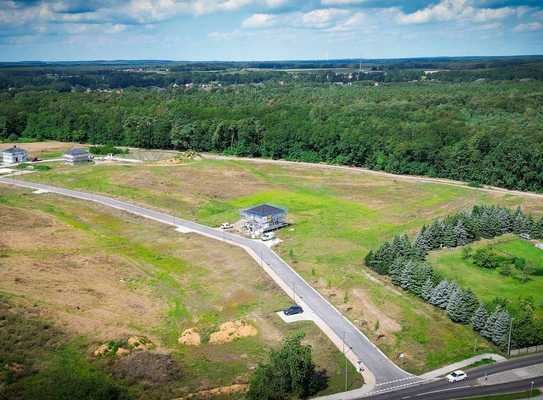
[{"x": 527, "y": 350}]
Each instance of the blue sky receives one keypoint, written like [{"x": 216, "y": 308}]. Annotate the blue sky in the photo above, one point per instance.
[{"x": 266, "y": 29}]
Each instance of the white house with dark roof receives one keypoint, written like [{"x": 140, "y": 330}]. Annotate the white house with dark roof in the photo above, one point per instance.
[
  {"x": 14, "y": 155},
  {"x": 264, "y": 218},
  {"x": 77, "y": 155}
]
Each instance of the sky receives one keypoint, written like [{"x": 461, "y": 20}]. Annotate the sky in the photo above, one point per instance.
[{"x": 202, "y": 30}]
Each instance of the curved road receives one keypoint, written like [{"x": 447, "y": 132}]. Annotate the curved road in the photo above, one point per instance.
[{"x": 340, "y": 330}]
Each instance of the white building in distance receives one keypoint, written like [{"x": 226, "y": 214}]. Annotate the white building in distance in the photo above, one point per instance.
[
  {"x": 14, "y": 155},
  {"x": 77, "y": 155}
]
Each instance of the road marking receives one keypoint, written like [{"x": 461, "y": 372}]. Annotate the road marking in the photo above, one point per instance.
[{"x": 446, "y": 390}]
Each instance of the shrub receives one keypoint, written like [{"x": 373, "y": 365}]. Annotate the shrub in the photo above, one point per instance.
[
  {"x": 486, "y": 258},
  {"x": 106, "y": 149},
  {"x": 70, "y": 376}
]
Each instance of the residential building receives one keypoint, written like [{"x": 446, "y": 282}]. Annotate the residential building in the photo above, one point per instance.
[
  {"x": 77, "y": 155},
  {"x": 14, "y": 155},
  {"x": 264, "y": 218}
]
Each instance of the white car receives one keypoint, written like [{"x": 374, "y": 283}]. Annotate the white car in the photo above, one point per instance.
[
  {"x": 267, "y": 236},
  {"x": 226, "y": 226},
  {"x": 456, "y": 376}
]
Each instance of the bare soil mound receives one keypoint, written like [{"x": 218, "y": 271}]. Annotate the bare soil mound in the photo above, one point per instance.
[
  {"x": 219, "y": 391},
  {"x": 232, "y": 330},
  {"x": 190, "y": 337}
]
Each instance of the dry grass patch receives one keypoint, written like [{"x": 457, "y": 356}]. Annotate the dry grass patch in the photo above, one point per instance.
[{"x": 36, "y": 149}]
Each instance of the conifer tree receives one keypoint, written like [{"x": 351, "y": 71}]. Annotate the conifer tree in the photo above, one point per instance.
[
  {"x": 395, "y": 270},
  {"x": 478, "y": 321},
  {"x": 426, "y": 291},
  {"x": 470, "y": 303},
  {"x": 449, "y": 238},
  {"x": 407, "y": 277},
  {"x": 455, "y": 307},
  {"x": 461, "y": 236},
  {"x": 488, "y": 330},
  {"x": 500, "y": 333},
  {"x": 440, "y": 294}
]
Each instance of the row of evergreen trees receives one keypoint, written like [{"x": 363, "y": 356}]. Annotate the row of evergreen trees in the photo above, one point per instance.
[{"x": 404, "y": 261}]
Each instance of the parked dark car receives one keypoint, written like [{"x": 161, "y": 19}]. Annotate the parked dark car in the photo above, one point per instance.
[{"x": 293, "y": 310}]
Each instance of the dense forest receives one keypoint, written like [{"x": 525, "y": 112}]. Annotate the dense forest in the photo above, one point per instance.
[{"x": 480, "y": 131}]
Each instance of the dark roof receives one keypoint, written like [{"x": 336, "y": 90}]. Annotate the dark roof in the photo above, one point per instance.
[
  {"x": 14, "y": 150},
  {"x": 264, "y": 210},
  {"x": 77, "y": 152}
]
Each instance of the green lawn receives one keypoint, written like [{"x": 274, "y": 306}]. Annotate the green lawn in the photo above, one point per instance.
[
  {"x": 486, "y": 283},
  {"x": 336, "y": 216},
  {"x": 201, "y": 285}
]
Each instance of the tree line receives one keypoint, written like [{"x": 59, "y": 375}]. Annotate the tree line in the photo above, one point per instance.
[
  {"x": 404, "y": 261},
  {"x": 477, "y": 132}
]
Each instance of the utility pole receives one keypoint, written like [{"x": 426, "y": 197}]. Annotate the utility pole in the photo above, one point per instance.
[
  {"x": 345, "y": 356},
  {"x": 509, "y": 341}
]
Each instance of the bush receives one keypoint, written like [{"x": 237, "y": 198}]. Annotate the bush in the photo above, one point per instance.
[
  {"x": 70, "y": 376},
  {"x": 290, "y": 373},
  {"x": 106, "y": 149},
  {"x": 486, "y": 258}
]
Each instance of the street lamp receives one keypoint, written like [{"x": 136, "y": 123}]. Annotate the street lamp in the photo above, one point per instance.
[{"x": 509, "y": 341}]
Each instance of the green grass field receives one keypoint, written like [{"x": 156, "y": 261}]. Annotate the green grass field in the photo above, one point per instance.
[
  {"x": 336, "y": 216},
  {"x": 187, "y": 280},
  {"x": 489, "y": 284}
]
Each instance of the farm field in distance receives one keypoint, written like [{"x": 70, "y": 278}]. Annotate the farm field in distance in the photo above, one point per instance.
[
  {"x": 92, "y": 275},
  {"x": 337, "y": 217}
]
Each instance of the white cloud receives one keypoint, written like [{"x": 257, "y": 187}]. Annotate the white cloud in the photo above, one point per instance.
[
  {"x": 529, "y": 27},
  {"x": 259, "y": 21},
  {"x": 342, "y": 2},
  {"x": 454, "y": 10},
  {"x": 323, "y": 18}
]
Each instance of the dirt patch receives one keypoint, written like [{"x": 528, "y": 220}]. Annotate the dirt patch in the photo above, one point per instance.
[
  {"x": 190, "y": 337},
  {"x": 146, "y": 367},
  {"x": 34, "y": 149},
  {"x": 232, "y": 330},
  {"x": 84, "y": 289},
  {"x": 220, "y": 391},
  {"x": 373, "y": 314}
]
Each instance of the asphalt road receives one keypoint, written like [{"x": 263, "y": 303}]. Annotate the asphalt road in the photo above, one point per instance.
[
  {"x": 386, "y": 373},
  {"x": 441, "y": 389}
]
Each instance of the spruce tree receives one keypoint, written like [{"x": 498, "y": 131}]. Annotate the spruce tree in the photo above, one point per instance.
[
  {"x": 422, "y": 241},
  {"x": 421, "y": 274},
  {"x": 478, "y": 321},
  {"x": 395, "y": 271},
  {"x": 488, "y": 330},
  {"x": 455, "y": 306},
  {"x": 426, "y": 291},
  {"x": 538, "y": 229},
  {"x": 504, "y": 217},
  {"x": 500, "y": 333},
  {"x": 460, "y": 234},
  {"x": 407, "y": 277},
  {"x": 440, "y": 294},
  {"x": 449, "y": 238},
  {"x": 470, "y": 303}
]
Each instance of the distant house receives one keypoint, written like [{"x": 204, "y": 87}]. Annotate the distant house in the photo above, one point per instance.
[
  {"x": 77, "y": 155},
  {"x": 14, "y": 155},
  {"x": 264, "y": 218}
]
